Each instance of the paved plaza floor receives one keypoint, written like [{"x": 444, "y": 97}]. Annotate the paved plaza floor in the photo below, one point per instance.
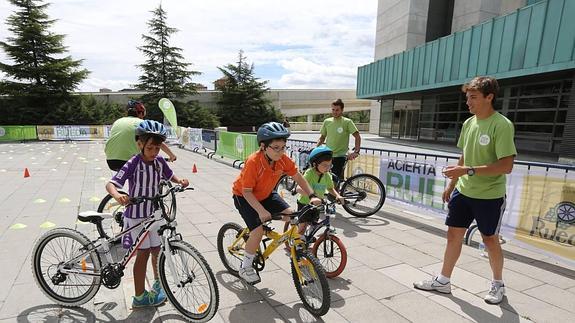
[{"x": 386, "y": 253}]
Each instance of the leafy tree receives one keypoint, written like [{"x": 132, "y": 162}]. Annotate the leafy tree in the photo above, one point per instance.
[
  {"x": 195, "y": 116},
  {"x": 39, "y": 70},
  {"x": 243, "y": 100},
  {"x": 165, "y": 73}
]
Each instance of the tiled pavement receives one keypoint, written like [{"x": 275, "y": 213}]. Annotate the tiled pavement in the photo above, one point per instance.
[{"x": 387, "y": 252}]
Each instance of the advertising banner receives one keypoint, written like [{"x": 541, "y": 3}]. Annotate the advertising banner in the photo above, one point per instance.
[
  {"x": 414, "y": 181},
  {"x": 236, "y": 145},
  {"x": 16, "y": 133},
  {"x": 72, "y": 132}
]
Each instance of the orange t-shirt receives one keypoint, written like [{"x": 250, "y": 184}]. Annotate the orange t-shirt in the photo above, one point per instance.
[{"x": 258, "y": 175}]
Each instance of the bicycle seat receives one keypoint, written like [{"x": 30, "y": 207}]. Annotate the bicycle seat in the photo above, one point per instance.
[{"x": 91, "y": 216}]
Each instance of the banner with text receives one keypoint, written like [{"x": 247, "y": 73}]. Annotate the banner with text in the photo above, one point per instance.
[{"x": 15, "y": 133}]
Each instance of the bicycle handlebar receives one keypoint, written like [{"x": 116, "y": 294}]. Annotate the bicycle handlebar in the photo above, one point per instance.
[{"x": 176, "y": 189}]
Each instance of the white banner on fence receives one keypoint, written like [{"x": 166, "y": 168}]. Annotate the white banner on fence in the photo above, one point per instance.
[
  {"x": 415, "y": 181},
  {"x": 73, "y": 132},
  {"x": 540, "y": 203},
  {"x": 192, "y": 138}
]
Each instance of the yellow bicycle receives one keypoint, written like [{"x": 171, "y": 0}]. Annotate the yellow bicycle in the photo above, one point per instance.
[{"x": 308, "y": 274}]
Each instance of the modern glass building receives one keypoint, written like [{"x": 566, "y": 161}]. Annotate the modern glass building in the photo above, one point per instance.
[{"x": 527, "y": 45}]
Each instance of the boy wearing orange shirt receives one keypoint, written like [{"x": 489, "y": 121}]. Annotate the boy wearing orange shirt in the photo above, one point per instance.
[{"x": 253, "y": 190}]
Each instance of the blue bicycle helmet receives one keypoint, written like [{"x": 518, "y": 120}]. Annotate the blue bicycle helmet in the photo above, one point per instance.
[
  {"x": 272, "y": 130},
  {"x": 318, "y": 153},
  {"x": 151, "y": 128}
]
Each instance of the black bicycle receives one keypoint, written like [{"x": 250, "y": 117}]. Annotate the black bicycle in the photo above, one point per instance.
[
  {"x": 364, "y": 193},
  {"x": 320, "y": 237},
  {"x": 68, "y": 269}
]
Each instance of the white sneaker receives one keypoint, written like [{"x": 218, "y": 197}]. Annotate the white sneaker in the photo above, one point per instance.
[
  {"x": 433, "y": 285},
  {"x": 495, "y": 294},
  {"x": 250, "y": 275}
]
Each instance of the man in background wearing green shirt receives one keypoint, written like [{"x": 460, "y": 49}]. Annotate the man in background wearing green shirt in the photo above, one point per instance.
[
  {"x": 121, "y": 144},
  {"x": 337, "y": 130},
  {"x": 477, "y": 186}
]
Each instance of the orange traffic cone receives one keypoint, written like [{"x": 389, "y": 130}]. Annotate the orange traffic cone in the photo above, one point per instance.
[
  {"x": 194, "y": 169},
  {"x": 26, "y": 173}
]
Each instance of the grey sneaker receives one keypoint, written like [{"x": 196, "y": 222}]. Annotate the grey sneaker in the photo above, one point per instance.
[
  {"x": 495, "y": 294},
  {"x": 249, "y": 275},
  {"x": 433, "y": 285}
]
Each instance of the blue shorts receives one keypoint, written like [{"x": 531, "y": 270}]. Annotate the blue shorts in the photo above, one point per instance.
[
  {"x": 273, "y": 204},
  {"x": 487, "y": 213}
]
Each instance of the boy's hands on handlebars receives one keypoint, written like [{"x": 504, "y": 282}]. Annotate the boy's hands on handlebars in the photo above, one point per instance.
[
  {"x": 340, "y": 199},
  {"x": 122, "y": 199},
  {"x": 315, "y": 201},
  {"x": 184, "y": 182},
  {"x": 264, "y": 216}
]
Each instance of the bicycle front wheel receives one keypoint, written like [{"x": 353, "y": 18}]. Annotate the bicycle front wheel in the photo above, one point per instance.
[
  {"x": 53, "y": 251},
  {"x": 285, "y": 188},
  {"x": 313, "y": 288},
  {"x": 331, "y": 253},
  {"x": 114, "y": 225},
  {"x": 364, "y": 195},
  {"x": 231, "y": 253},
  {"x": 193, "y": 290}
]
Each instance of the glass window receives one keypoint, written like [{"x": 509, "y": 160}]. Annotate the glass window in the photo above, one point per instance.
[
  {"x": 535, "y": 116},
  {"x": 448, "y": 107},
  {"x": 544, "y": 102},
  {"x": 558, "y": 132},
  {"x": 450, "y": 97},
  {"x": 533, "y": 130},
  {"x": 567, "y": 84},
  {"x": 561, "y": 116},
  {"x": 447, "y": 117},
  {"x": 541, "y": 89},
  {"x": 564, "y": 104},
  {"x": 426, "y": 116}
]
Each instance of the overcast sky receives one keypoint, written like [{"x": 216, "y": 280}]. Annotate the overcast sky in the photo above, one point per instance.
[{"x": 292, "y": 43}]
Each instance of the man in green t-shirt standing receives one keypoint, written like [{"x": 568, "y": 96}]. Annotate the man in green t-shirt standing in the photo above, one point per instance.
[
  {"x": 337, "y": 130},
  {"x": 121, "y": 144},
  {"x": 477, "y": 186}
]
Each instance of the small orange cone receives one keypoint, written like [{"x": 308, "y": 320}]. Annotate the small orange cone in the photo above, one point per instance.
[
  {"x": 194, "y": 169},
  {"x": 26, "y": 173}
]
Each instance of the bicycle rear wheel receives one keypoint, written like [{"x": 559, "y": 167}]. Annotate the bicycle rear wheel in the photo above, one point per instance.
[
  {"x": 193, "y": 292},
  {"x": 364, "y": 194},
  {"x": 331, "y": 254},
  {"x": 56, "y": 248},
  {"x": 231, "y": 254},
  {"x": 314, "y": 290},
  {"x": 114, "y": 225}
]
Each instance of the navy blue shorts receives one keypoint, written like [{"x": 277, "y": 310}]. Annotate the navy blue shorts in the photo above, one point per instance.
[
  {"x": 273, "y": 204},
  {"x": 487, "y": 213}
]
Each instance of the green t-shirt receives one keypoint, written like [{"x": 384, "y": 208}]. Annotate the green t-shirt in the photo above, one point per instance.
[
  {"x": 121, "y": 144},
  {"x": 484, "y": 142},
  {"x": 337, "y": 133},
  {"x": 319, "y": 187}
]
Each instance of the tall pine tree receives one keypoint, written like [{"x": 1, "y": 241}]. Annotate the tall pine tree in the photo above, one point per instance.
[
  {"x": 243, "y": 100},
  {"x": 167, "y": 75},
  {"x": 39, "y": 70}
]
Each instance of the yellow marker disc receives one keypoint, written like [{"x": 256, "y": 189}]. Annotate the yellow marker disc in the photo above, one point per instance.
[
  {"x": 47, "y": 225},
  {"x": 39, "y": 201},
  {"x": 64, "y": 200},
  {"x": 18, "y": 226},
  {"x": 94, "y": 199}
]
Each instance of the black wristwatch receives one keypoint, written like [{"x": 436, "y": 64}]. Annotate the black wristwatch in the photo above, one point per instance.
[
  {"x": 312, "y": 195},
  {"x": 470, "y": 171}
]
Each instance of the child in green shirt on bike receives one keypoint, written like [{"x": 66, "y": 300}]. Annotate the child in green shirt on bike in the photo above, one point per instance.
[{"x": 318, "y": 176}]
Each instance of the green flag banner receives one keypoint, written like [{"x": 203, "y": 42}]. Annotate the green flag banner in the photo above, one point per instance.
[{"x": 169, "y": 112}]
